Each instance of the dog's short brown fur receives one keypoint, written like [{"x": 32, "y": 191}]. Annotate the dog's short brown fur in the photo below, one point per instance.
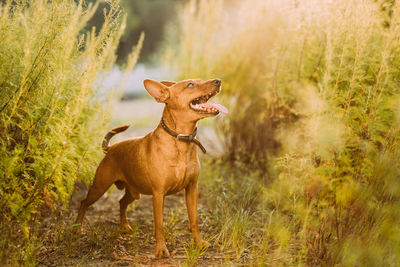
[{"x": 157, "y": 164}]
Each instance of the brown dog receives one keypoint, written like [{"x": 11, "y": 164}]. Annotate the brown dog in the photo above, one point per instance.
[{"x": 164, "y": 161}]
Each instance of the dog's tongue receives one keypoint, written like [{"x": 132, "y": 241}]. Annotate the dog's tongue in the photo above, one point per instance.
[{"x": 219, "y": 107}]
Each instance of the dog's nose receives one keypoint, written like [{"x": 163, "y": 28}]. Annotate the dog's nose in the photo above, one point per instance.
[{"x": 217, "y": 81}]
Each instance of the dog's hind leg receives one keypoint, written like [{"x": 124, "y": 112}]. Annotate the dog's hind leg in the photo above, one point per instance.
[
  {"x": 103, "y": 179},
  {"x": 127, "y": 199}
]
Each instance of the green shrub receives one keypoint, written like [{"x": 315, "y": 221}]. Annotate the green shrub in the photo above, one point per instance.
[
  {"x": 52, "y": 112},
  {"x": 312, "y": 86}
]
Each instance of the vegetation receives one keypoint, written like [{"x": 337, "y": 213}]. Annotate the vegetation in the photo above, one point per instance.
[
  {"x": 313, "y": 135},
  {"x": 52, "y": 111},
  {"x": 310, "y": 172},
  {"x": 143, "y": 16}
]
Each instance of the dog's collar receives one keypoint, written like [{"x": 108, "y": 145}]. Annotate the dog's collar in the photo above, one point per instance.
[{"x": 188, "y": 138}]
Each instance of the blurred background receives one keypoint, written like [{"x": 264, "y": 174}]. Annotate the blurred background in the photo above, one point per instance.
[
  {"x": 151, "y": 17},
  {"x": 136, "y": 107}
]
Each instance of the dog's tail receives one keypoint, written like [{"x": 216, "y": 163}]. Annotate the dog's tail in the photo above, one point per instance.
[{"x": 110, "y": 134}]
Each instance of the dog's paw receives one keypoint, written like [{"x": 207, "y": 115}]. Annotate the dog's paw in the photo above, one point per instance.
[
  {"x": 126, "y": 228},
  {"x": 161, "y": 251}
]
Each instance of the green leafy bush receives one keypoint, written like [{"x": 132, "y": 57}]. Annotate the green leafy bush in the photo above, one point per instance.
[
  {"x": 313, "y": 87},
  {"x": 52, "y": 112}
]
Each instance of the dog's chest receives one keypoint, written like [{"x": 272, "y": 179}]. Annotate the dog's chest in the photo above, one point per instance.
[{"x": 181, "y": 173}]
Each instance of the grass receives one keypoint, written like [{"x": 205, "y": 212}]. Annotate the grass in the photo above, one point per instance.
[
  {"x": 51, "y": 107},
  {"x": 170, "y": 227},
  {"x": 232, "y": 233},
  {"x": 310, "y": 87},
  {"x": 192, "y": 254},
  {"x": 310, "y": 173},
  {"x": 235, "y": 217}
]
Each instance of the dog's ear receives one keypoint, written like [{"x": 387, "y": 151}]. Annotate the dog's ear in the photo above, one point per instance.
[
  {"x": 157, "y": 90},
  {"x": 168, "y": 83}
]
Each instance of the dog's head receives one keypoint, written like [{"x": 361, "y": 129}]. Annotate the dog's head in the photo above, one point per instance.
[{"x": 188, "y": 97}]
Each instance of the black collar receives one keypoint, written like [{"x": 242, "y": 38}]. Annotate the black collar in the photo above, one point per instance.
[{"x": 188, "y": 138}]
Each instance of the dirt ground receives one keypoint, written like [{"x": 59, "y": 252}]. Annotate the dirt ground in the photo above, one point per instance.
[{"x": 102, "y": 244}]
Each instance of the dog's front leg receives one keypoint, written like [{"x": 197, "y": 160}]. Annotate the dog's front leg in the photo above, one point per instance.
[
  {"x": 191, "y": 194},
  {"x": 158, "y": 207}
]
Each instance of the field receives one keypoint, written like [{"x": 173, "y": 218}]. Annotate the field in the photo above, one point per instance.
[
  {"x": 103, "y": 244},
  {"x": 303, "y": 171}
]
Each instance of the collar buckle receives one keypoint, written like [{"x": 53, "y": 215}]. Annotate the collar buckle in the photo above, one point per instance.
[{"x": 185, "y": 137}]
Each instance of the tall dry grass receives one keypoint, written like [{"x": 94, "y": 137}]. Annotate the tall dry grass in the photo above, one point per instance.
[
  {"x": 52, "y": 110},
  {"x": 313, "y": 90}
]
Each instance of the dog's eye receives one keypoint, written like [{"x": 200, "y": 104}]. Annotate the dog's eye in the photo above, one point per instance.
[{"x": 190, "y": 85}]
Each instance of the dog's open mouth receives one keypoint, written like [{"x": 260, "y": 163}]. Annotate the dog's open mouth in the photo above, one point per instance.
[{"x": 200, "y": 104}]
